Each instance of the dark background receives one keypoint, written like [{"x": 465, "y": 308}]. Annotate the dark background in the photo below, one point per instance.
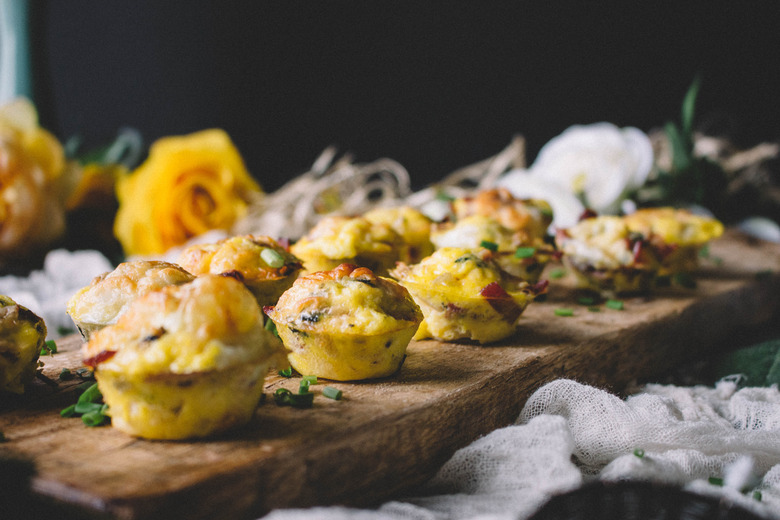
[{"x": 433, "y": 85}]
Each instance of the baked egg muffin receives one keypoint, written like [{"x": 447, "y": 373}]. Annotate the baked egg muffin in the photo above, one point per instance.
[
  {"x": 346, "y": 324},
  {"x": 514, "y": 251},
  {"x": 607, "y": 257},
  {"x": 105, "y": 299},
  {"x": 528, "y": 218},
  {"x": 184, "y": 361},
  {"x": 337, "y": 240},
  {"x": 464, "y": 294},
  {"x": 677, "y": 235},
  {"x": 22, "y": 335},
  {"x": 263, "y": 264},
  {"x": 412, "y": 225}
]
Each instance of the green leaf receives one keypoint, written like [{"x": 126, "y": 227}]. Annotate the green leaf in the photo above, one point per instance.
[
  {"x": 681, "y": 153},
  {"x": 689, "y": 107}
]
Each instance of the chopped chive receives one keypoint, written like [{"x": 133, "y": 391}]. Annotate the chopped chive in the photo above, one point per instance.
[
  {"x": 83, "y": 408},
  {"x": 66, "y": 375},
  {"x": 757, "y": 495},
  {"x": 70, "y": 411},
  {"x": 284, "y": 397},
  {"x": 271, "y": 326},
  {"x": 704, "y": 252},
  {"x": 287, "y": 372},
  {"x": 557, "y": 273},
  {"x": 639, "y": 453},
  {"x": 272, "y": 258},
  {"x": 525, "y": 252},
  {"x": 91, "y": 394},
  {"x": 303, "y": 386},
  {"x": 303, "y": 400},
  {"x": 312, "y": 380},
  {"x": 94, "y": 418},
  {"x": 487, "y": 244},
  {"x": 332, "y": 393},
  {"x": 715, "y": 481},
  {"x": 584, "y": 300},
  {"x": 49, "y": 348},
  {"x": 616, "y": 305},
  {"x": 564, "y": 312}
]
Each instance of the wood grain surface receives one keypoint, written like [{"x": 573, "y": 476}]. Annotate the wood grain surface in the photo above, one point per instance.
[{"x": 384, "y": 437}]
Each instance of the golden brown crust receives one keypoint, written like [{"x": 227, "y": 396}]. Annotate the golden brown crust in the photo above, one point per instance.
[
  {"x": 108, "y": 295},
  {"x": 530, "y": 217}
]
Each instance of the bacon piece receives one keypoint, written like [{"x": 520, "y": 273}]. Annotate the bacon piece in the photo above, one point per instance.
[
  {"x": 98, "y": 358},
  {"x": 501, "y": 302}
]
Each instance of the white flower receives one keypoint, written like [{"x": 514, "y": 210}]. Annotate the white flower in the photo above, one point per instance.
[
  {"x": 565, "y": 206},
  {"x": 599, "y": 163}
]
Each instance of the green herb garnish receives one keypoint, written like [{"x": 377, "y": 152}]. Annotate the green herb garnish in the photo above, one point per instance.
[
  {"x": 487, "y": 244},
  {"x": 287, "y": 372},
  {"x": 332, "y": 393},
  {"x": 284, "y": 397},
  {"x": 586, "y": 300},
  {"x": 525, "y": 252},
  {"x": 561, "y": 311},
  {"x": 558, "y": 273},
  {"x": 272, "y": 258},
  {"x": 715, "y": 481},
  {"x": 312, "y": 380},
  {"x": 66, "y": 375},
  {"x": 757, "y": 495},
  {"x": 49, "y": 348},
  {"x": 89, "y": 405},
  {"x": 639, "y": 453},
  {"x": 616, "y": 305}
]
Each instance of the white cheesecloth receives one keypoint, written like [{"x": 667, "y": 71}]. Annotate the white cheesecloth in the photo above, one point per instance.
[{"x": 569, "y": 434}]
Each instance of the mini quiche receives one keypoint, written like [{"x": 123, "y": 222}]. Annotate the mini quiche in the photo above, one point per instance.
[
  {"x": 464, "y": 294},
  {"x": 184, "y": 361},
  {"x": 607, "y": 257},
  {"x": 262, "y": 263},
  {"x": 22, "y": 335},
  {"x": 346, "y": 324},
  {"x": 528, "y": 218},
  {"x": 412, "y": 225},
  {"x": 514, "y": 251},
  {"x": 105, "y": 299},
  {"x": 337, "y": 240},
  {"x": 677, "y": 235}
]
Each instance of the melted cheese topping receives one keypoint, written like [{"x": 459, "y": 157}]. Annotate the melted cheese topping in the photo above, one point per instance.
[
  {"x": 674, "y": 226},
  {"x": 600, "y": 242},
  {"x": 412, "y": 225},
  {"x": 240, "y": 253},
  {"x": 108, "y": 295},
  {"x": 347, "y": 237},
  {"x": 209, "y": 324},
  {"x": 469, "y": 232},
  {"x": 346, "y": 300},
  {"x": 529, "y": 217}
]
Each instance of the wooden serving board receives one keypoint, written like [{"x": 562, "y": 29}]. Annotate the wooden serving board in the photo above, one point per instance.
[{"x": 384, "y": 437}]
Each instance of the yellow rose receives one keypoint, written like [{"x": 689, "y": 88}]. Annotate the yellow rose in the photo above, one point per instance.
[
  {"x": 32, "y": 163},
  {"x": 187, "y": 186}
]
